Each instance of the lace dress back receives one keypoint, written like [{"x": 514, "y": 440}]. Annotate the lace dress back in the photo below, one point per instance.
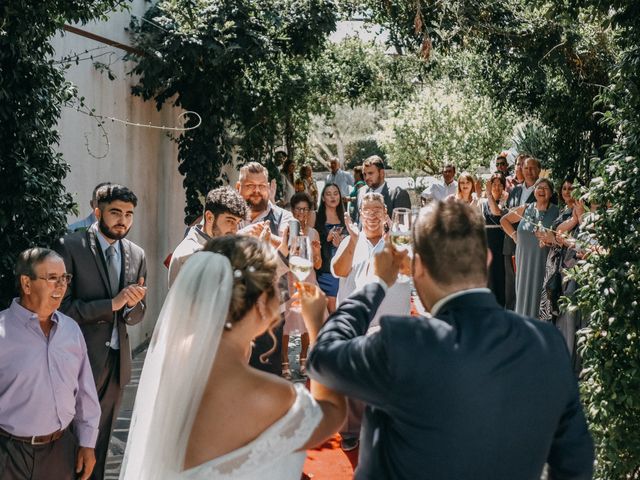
[{"x": 274, "y": 454}]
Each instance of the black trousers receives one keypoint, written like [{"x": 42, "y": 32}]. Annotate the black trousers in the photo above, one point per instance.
[
  {"x": 22, "y": 461},
  {"x": 110, "y": 395}
]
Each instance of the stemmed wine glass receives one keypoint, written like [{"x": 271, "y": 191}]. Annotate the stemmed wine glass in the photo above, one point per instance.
[
  {"x": 300, "y": 261},
  {"x": 400, "y": 234}
]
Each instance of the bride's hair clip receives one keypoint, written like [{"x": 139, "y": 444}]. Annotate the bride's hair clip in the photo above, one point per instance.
[{"x": 237, "y": 273}]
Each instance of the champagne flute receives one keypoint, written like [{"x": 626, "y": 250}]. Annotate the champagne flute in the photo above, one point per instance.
[
  {"x": 300, "y": 262},
  {"x": 400, "y": 234}
]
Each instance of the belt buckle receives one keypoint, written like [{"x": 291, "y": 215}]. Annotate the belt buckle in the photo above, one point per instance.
[{"x": 34, "y": 442}]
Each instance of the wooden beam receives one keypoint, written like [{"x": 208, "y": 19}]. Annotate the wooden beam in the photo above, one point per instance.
[{"x": 101, "y": 39}]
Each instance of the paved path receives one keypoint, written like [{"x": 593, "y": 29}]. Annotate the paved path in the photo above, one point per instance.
[{"x": 121, "y": 431}]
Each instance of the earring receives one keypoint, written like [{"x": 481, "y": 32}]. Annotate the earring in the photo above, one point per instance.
[{"x": 228, "y": 325}]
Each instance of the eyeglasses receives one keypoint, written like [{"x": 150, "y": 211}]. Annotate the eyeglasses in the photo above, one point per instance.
[
  {"x": 301, "y": 210},
  {"x": 372, "y": 212},
  {"x": 501, "y": 164},
  {"x": 55, "y": 280},
  {"x": 255, "y": 186}
]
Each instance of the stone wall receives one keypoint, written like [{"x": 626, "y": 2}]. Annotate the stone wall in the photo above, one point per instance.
[{"x": 143, "y": 159}]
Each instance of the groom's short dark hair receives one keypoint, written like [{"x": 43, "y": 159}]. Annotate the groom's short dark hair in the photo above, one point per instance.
[{"x": 450, "y": 238}]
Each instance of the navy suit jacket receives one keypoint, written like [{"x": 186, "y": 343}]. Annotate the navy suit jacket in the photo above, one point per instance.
[{"x": 477, "y": 392}]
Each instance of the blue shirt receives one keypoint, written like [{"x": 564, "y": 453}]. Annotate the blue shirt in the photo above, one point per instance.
[{"x": 104, "y": 244}]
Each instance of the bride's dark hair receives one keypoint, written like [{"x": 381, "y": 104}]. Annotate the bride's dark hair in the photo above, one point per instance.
[{"x": 254, "y": 264}]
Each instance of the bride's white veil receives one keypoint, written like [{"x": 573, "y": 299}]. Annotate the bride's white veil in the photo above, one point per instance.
[{"x": 177, "y": 367}]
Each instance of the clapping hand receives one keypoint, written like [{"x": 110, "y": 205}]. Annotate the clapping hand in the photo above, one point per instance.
[
  {"x": 255, "y": 229},
  {"x": 130, "y": 296},
  {"x": 284, "y": 245},
  {"x": 317, "y": 254},
  {"x": 335, "y": 236},
  {"x": 352, "y": 228},
  {"x": 545, "y": 236}
]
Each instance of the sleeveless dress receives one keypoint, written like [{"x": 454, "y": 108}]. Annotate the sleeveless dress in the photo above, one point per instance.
[
  {"x": 495, "y": 242},
  {"x": 275, "y": 454},
  {"x": 327, "y": 282},
  {"x": 531, "y": 259}
]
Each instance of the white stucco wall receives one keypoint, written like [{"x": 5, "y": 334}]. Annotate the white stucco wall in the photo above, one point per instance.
[{"x": 143, "y": 159}]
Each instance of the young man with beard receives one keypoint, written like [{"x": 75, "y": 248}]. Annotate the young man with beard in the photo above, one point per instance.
[
  {"x": 373, "y": 173},
  {"x": 224, "y": 209},
  {"x": 266, "y": 221},
  {"x": 106, "y": 295}
]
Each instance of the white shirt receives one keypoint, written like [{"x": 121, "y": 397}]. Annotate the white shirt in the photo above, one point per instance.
[
  {"x": 194, "y": 241},
  {"x": 398, "y": 298},
  {"x": 343, "y": 180},
  {"x": 440, "y": 303},
  {"x": 439, "y": 191},
  {"x": 524, "y": 195}
]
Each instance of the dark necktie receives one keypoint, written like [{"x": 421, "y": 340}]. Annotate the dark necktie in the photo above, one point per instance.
[{"x": 112, "y": 267}]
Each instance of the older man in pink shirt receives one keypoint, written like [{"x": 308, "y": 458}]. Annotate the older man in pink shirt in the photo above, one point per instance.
[{"x": 49, "y": 409}]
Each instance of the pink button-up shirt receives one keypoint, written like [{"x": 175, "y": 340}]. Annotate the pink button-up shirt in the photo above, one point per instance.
[{"x": 45, "y": 383}]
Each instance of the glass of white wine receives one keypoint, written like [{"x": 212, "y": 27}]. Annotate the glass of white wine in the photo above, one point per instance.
[
  {"x": 300, "y": 262},
  {"x": 400, "y": 234}
]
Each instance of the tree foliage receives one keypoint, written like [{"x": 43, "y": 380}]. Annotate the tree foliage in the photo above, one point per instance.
[
  {"x": 33, "y": 202},
  {"x": 242, "y": 65},
  {"x": 541, "y": 59},
  {"x": 445, "y": 122},
  {"x": 355, "y": 82},
  {"x": 610, "y": 280}
]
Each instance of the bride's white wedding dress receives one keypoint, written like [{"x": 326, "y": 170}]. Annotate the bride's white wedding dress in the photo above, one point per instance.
[
  {"x": 176, "y": 371},
  {"x": 274, "y": 455}
]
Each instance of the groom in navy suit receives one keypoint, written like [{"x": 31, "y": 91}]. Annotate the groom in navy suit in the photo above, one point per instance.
[{"x": 472, "y": 391}]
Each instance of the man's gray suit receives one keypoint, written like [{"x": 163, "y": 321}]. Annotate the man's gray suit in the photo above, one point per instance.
[
  {"x": 396, "y": 198},
  {"x": 88, "y": 302},
  {"x": 477, "y": 392}
]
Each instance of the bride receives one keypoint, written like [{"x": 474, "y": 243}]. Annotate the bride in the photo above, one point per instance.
[{"x": 201, "y": 411}]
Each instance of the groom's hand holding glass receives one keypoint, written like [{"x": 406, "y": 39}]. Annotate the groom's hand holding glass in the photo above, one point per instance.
[{"x": 389, "y": 262}]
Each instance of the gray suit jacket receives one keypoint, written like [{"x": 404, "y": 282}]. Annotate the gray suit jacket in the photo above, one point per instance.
[
  {"x": 477, "y": 392},
  {"x": 88, "y": 298},
  {"x": 396, "y": 198}
]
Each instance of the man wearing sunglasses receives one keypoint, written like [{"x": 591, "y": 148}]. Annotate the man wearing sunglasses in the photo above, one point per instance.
[{"x": 49, "y": 410}]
